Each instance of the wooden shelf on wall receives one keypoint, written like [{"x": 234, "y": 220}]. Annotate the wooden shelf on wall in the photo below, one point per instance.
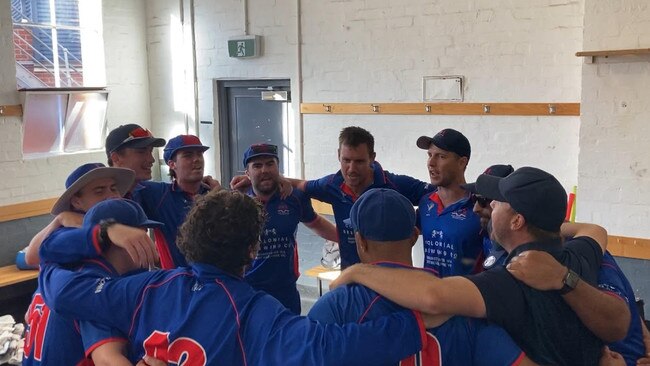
[
  {"x": 591, "y": 55},
  {"x": 11, "y": 110},
  {"x": 623, "y": 246},
  {"x": 478, "y": 109}
]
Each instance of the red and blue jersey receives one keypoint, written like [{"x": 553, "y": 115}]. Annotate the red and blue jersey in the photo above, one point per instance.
[
  {"x": 52, "y": 339},
  {"x": 275, "y": 269},
  {"x": 203, "y": 316},
  {"x": 451, "y": 236},
  {"x": 612, "y": 280},
  {"x": 459, "y": 341},
  {"x": 169, "y": 204},
  {"x": 333, "y": 190}
]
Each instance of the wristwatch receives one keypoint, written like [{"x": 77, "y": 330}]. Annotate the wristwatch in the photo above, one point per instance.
[
  {"x": 570, "y": 282},
  {"x": 104, "y": 241}
]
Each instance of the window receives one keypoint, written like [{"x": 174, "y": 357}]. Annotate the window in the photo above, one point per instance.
[
  {"x": 58, "y": 43},
  {"x": 63, "y": 122}
]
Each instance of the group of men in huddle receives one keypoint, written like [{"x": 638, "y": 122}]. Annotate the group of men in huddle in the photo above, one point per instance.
[{"x": 505, "y": 280}]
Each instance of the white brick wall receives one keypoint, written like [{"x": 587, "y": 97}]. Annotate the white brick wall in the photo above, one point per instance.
[
  {"x": 367, "y": 51},
  {"x": 355, "y": 51},
  {"x": 614, "y": 161},
  {"x": 126, "y": 72}
]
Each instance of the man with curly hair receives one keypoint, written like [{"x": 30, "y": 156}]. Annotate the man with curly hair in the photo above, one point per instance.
[{"x": 207, "y": 314}]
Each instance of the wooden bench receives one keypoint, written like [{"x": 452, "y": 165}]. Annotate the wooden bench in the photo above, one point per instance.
[
  {"x": 10, "y": 275},
  {"x": 322, "y": 274}
]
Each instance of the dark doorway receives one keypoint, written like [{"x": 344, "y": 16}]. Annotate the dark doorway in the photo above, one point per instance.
[{"x": 246, "y": 119}]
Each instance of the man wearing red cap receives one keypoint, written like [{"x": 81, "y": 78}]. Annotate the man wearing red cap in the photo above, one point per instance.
[{"x": 170, "y": 202}]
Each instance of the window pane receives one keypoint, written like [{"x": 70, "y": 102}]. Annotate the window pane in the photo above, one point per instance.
[
  {"x": 84, "y": 124},
  {"x": 43, "y": 119},
  {"x": 67, "y": 12}
]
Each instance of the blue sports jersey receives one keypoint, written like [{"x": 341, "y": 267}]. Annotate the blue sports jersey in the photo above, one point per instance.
[
  {"x": 203, "y": 316},
  {"x": 169, "y": 204},
  {"x": 275, "y": 269},
  {"x": 52, "y": 339},
  {"x": 612, "y": 280},
  {"x": 332, "y": 189},
  {"x": 459, "y": 341},
  {"x": 494, "y": 255},
  {"x": 451, "y": 236}
]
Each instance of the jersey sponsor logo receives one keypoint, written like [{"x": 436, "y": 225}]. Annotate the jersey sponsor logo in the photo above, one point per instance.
[
  {"x": 197, "y": 286},
  {"x": 283, "y": 209},
  {"x": 38, "y": 316},
  {"x": 460, "y": 214},
  {"x": 182, "y": 351},
  {"x": 100, "y": 284},
  {"x": 270, "y": 231},
  {"x": 436, "y": 234}
]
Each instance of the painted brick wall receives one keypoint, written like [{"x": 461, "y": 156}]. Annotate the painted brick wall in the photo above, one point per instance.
[
  {"x": 127, "y": 79},
  {"x": 370, "y": 51},
  {"x": 614, "y": 161},
  {"x": 216, "y": 22}
]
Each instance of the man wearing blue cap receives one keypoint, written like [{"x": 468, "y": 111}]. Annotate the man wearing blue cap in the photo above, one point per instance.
[
  {"x": 54, "y": 339},
  {"x": 494, "y": 253},
  {"x": 207, "y": 314},
  {"x": 275, "y": 268},
  {"x": 359, "y": 172},
  {"x": 528, "y": 209},
  {"x": 170, "y": 202},
  {"x": 384, "y": 228}
]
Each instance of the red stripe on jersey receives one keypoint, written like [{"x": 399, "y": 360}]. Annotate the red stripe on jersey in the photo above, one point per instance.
[
  {"x": 519, "y": 359},
  {"x": 96, "y": 345},
  {"x": 166, "y": 261},
  {"x": 144, "y": 293}
]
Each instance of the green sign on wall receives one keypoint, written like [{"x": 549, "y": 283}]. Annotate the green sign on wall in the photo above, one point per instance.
[{"x": 244, "y": 46}]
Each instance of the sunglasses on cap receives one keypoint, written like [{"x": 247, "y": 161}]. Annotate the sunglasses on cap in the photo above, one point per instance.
[
  {"x": 482, "y": 201},
  {"x": 138, "y": 133},
  {"x": 264, "y": 149}
]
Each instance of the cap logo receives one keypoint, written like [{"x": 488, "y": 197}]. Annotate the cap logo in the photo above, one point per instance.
[
  {"x": 190, "y": 140},
  {"x": 264, "y": 149}
]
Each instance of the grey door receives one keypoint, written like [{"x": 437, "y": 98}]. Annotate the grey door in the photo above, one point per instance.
[{"x": 246, "y": 119}]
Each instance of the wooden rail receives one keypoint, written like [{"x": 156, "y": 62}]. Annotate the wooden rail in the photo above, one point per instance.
[
  {"x": 10, "y": 275},
  {"x": 11, "y": 110},
  {"x": 607, "y": 53},
  {"x": 482, "y": 109},
  {"x": 26, "y": 209}
]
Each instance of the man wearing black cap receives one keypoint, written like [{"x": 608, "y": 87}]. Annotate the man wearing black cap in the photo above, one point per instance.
[
  {"x": 131, "y": 146},
  {"x": 528, "y": 209},
  {"x": 451, "y": 231}
]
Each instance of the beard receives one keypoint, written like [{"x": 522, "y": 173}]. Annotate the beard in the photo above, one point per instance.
[
  {"x": 495, "y": 243},
  {"x": 266, "y": 187}
]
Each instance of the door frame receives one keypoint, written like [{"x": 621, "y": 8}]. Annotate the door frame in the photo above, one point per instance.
[{"x": 222, "y": 109}]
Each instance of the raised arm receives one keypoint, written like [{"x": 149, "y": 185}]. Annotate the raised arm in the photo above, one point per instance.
[
  {"x": 418, "y": 290},
  {"x": 607, "y": 316},
  {"x": 324, "y": 228},
  {"x": 64, "y": 219}
]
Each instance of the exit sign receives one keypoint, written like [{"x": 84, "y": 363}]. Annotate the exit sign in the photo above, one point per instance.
[{"x": 244, "y": 46}]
